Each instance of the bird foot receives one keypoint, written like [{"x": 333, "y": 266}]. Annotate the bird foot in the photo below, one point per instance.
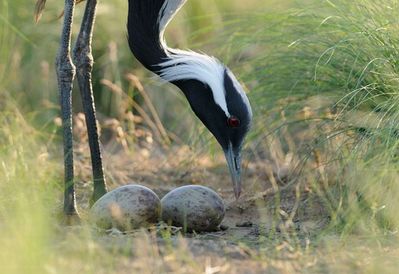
[
  {"x": 70, "y": 219},
  {"x": 97, "y": 194}
]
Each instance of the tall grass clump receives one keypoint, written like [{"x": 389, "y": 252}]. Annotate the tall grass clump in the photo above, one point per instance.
[{"x": 327, "y": 75}]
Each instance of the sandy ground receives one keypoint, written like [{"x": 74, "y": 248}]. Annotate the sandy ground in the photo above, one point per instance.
[{"x": 270, "y": 216}]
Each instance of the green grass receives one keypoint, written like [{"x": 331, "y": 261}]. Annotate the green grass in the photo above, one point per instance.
[
  {"x": 323, "y": 82},
  {"x": 331, "y": 68}
]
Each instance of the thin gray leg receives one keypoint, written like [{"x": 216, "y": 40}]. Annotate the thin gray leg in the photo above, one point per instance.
[
  {"x": 83, "y": 59},
  {"x": 65, "y": 75}
]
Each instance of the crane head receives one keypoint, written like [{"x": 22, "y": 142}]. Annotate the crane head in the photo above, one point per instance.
[{"x": 218, "y": 100}]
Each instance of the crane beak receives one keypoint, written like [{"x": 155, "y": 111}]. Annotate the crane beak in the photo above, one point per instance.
[{"x": 234, "y": 163}]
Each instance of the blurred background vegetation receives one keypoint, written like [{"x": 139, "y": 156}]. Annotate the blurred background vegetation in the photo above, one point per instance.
[{"x": 322, "y": 77}]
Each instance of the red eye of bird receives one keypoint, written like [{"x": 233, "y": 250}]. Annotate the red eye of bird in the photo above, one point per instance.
[{"x": 233, "y": 122}]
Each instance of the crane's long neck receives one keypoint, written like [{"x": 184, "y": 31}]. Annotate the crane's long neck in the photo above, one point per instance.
[
  {"x": 188, "y": 70},
  {"x": 147, "y": 20}
]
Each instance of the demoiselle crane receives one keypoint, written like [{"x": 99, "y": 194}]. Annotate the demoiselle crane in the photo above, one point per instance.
[{"x": 213, "y": 92}]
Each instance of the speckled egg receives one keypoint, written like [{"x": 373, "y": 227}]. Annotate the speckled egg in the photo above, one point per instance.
[
  {"x": 127, "y": 207},
  {"x": 193, "y": 207}
]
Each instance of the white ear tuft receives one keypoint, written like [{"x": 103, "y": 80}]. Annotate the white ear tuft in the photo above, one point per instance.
[
  {"x": 191, "y": 65},
  {"x": 183, "y": 65}
]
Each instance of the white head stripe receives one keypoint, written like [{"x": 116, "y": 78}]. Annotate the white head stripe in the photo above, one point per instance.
[
  {"x": 191, "y": 65},
  {"x": 204, "y": 68},
  {"x": 167, "y": 12}
]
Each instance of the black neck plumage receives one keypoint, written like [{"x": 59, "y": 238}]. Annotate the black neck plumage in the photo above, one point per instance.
[{"x": 143, "y": 33}]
